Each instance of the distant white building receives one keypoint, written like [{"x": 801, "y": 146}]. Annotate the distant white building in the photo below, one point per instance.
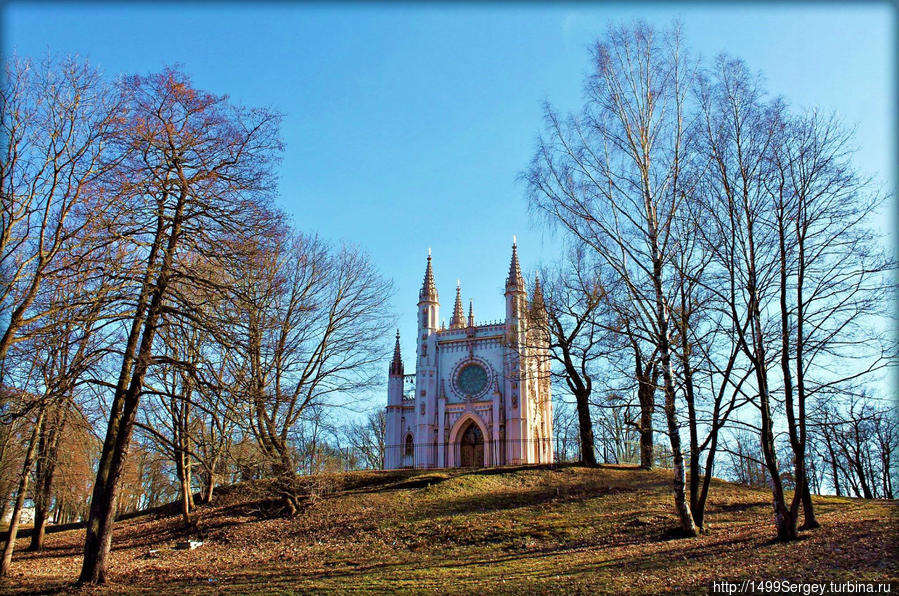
[{"x": 480, "y": 394}]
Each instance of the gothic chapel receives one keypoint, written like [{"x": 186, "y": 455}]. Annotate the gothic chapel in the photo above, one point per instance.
[{"x": 480, "y": 394}]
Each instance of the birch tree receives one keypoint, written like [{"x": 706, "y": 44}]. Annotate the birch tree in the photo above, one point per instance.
[{"x": 612, "y": 177}]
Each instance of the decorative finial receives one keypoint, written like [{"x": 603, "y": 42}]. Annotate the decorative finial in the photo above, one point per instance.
[
  {"x": 429, "y": 251},
  {"x": 514, "y": 242}
]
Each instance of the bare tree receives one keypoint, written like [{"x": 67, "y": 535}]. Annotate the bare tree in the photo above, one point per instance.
[
  {"x": 570, "y": 311},
  {"x": 708, "y": 366},
  {"x": 168, "y": 423},
  {"x": 640, "y": 354},
  {"x": 832, "y": 271},
  {"x": 858, "y": 446},
  {"x": 309, "y": 325},
  {"x": 565, "y": 431},
  {"x": 740, "y": 129},
  {"x": 24, "y": 479},
  {"x": 618, "y": 429},
  {"x": 56, "y": 119},
  {"x": 193, "y": 171},
  {"x": 613, "y": 179},
  {"x": 12, "y": 454},
  {"x": 800, "y": 274},
  {"x": 59, "y": 354},
  {"x": 367, "y": 437}
]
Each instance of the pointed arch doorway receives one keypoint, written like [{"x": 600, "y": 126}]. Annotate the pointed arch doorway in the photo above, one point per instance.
[{"x": 471, "y": 447}]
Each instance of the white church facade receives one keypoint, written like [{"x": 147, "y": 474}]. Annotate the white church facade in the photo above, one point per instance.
[{"x": 480, "y": 394}]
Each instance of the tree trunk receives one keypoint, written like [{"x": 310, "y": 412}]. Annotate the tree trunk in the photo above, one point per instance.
[
  {"x": 98, "y": 539},
  {"x": 687, "y": 525},
  {"x": 10, "y": 546},
  {"x": 585, "y": 426},
  {"x": 581, "y": 388},
  {"x": 834, "y": 470},
  {"x": 184, "y": 482},
  {"x": 39, "y": 529},
  {"x": 783, "y": 520},
  {"x": 810, "y": 522},
  {"x": 209, "y": 487},
  {"x": 690, "y": 395},
  {"x": 795, "y": 421},
  {"x": 182, "y": 467},
  {"x": 699, "y": 511},
  {"x": 43, "y": 490},
  {"x": 646, "y": 397}
]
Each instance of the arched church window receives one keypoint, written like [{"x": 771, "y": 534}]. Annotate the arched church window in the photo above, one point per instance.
[{"x": 410, "y": 446}]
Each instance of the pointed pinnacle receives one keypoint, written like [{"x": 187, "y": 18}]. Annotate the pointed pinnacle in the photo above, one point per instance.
[
  {"x": 458, "y": 319},
  {"x": 428, "y": 292},
  {"x": 396, "y": 366},
  {"x": 537, "y": 299},
  {"x": 515, "y": 280}
]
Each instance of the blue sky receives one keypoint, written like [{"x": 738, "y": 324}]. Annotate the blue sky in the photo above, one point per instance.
[{"x": 406, "y": 126}]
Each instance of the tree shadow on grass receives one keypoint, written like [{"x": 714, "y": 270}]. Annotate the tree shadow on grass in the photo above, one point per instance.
[
  {"x": 536, "y": 496},
  {"x": 734, "y": 507},
  {"x": 494, "y": 566}
]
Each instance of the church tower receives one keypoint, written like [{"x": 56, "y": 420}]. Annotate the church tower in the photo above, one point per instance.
[
  {"x": 426, "y": 368},
  {"x": 539, "y": 361},
  {"x": 394, "y": 438},
  {"x": 516, "y": 406}
]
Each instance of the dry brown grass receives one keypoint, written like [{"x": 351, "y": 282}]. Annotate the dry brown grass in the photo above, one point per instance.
[{"x": 525, "y": 530}]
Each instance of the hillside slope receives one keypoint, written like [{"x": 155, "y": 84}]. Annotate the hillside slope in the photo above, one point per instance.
[{"x": 538, "y": 530}]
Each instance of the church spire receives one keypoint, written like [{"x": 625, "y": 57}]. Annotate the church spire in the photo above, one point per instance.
[
  {"x": 470, "y": 312},
  {"x": 515, "y": 281},
  {"x": 458, "y": 319},
  {"x": 396, "y": 366},
  {"x": 537, "y": 303},
  {"x": 428, "y": 291}
]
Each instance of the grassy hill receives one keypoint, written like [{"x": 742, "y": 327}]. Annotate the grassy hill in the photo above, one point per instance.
[{"x": 522, "y": 530}]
